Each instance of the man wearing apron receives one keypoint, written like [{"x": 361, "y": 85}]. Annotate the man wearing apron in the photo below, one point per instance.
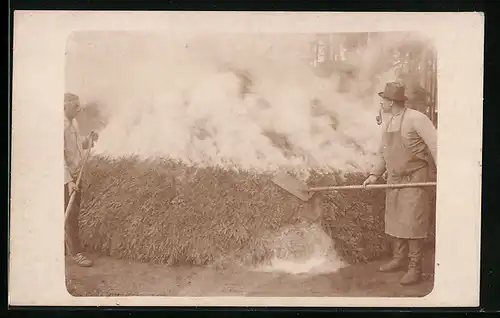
[{"x": 409, "y": 141}]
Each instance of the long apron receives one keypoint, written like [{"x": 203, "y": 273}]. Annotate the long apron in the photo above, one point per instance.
[{"x": 407, "y": 210}]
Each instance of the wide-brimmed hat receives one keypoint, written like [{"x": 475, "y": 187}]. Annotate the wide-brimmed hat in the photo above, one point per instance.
[{"x": 394, "y": 91}]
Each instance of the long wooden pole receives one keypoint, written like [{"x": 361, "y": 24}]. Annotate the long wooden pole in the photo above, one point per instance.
[
  {"x": 78, "y": 180},
  {"x": 374, "y": 186},
  {"x": 73, "y": 194}
]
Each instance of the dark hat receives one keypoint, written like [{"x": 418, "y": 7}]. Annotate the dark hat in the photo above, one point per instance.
[{"x": 394, "y": 91}]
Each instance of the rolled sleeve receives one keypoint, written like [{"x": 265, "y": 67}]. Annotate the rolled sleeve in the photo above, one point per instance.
[{"x": 425, "y": 129}]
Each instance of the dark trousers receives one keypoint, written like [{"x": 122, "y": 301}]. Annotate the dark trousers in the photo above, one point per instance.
[{"x": 72, "y": 227}]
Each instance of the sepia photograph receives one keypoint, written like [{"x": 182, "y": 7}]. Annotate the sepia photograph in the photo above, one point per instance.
[
  {"x": 269, "y": 165},
  {"x": 280, "y": 164}
]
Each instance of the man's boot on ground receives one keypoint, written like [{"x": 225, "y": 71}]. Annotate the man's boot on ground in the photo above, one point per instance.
[
  {"x": 413, "y": 276},
  {"x": 77, "y": 256},
  {"x": 399, "y": 253},
  {"x": 82, "y": 260}
]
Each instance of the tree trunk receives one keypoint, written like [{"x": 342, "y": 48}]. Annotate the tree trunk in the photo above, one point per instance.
[{"x": 434, "y": 88}]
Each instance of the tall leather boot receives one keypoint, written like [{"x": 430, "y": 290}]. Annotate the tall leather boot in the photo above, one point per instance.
[
  {"x": 400, "y": 248},
  {"x": 413, "y": 276}
]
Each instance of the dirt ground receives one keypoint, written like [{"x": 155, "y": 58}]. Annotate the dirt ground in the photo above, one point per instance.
[{"x": 115, "y": 277}]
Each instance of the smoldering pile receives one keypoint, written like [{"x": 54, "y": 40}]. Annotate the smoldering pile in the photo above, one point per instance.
[{"x": 166, "y": 212}]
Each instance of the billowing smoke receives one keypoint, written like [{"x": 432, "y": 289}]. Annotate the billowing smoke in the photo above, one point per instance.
[{"x": 241, "y": 101}]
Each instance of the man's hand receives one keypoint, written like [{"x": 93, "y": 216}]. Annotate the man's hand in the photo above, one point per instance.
[
  {"x": 72, "y": 187},
  {"x": 90, "y": 140},
  {"x": 94, "y": 135},
  {"x": 370, "y": 180},
  {"x": 85, "y": 143}
]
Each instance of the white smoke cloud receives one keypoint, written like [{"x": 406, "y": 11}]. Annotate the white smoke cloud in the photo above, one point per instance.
[{"x": 181, "y": 98}]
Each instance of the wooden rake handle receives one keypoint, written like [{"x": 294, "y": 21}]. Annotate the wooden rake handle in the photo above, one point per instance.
[
  {"x": 375, "y": 186},
  {"x": 78, "y": 180}
]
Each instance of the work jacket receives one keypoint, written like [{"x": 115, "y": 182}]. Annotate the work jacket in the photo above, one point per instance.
[{"x": 73, "y": 150}]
